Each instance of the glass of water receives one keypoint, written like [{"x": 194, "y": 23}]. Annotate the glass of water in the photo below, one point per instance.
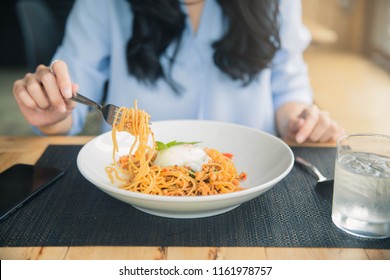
[{"x": 361, "y": 196}]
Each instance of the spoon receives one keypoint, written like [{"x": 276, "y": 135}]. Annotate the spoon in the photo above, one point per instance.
[{"x": 322, "y": 181}]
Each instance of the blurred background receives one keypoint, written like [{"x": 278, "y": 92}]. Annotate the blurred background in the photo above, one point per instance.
[{"x": 348, "y": 59}]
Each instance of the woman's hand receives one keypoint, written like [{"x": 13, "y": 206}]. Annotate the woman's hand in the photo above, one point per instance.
[
  {"x": 310, "y": 124},
  {"x": 43, "y": 98}
]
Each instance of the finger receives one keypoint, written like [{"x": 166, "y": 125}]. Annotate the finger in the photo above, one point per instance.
[
  {"x": 35, "y": 90},
  {"x": 70, "y": 104},
  {"x": 75, "y": 87},
  {"x": 295, "y": 125},
  {"x": 22, "y": 97},
  {"x": 322, "y": 127},
  {"x": 333, "y": 133},
  {"x": 310, "y": 115},
  {"x": 49, "y": 82},
  {"x": 327, "y": 136},
  {"x": 60, "y": 70}
]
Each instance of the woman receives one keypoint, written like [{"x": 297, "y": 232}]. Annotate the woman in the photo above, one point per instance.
[{"x": 225, "y": 60}]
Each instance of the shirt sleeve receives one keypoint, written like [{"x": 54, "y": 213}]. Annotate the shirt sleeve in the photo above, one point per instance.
[
  {"x": 290, "y": 79},
  {"x": 85, "y": 48}
]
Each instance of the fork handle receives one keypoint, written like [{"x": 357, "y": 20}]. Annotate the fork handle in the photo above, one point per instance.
[
  {"x": 86, "y": 101},
  {"x": 311, "y": 167}
]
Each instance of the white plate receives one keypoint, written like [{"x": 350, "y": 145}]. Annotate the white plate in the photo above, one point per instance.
[{"x": 265, "y": 158}]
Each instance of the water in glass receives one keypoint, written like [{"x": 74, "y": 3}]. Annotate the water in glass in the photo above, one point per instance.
[{"x": 361, "y": 198}]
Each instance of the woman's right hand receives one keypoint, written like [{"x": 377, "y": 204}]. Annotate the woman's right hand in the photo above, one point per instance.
[{"x": 44, "y": 98}]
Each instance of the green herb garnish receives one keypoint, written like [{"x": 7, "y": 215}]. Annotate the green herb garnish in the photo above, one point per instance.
[{"x": 161, "y": 146}]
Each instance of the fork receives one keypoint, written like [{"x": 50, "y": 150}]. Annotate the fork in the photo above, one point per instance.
[
  {"x": 321, "y": 178},
  {"x": 108, "y": 111},
  {"x": 324, "y": 186}
]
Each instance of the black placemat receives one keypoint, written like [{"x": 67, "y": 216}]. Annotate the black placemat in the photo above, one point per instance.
[{"x": 73, "y": 212}]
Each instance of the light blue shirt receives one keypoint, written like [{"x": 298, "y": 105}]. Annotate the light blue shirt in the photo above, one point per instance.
[{"x": 94, "y": 48}]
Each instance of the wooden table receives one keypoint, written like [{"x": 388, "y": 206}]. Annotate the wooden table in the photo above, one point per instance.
[{"x": 29, "y": 149}]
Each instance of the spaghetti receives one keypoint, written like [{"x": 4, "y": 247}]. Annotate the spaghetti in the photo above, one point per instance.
[{"x": 137, "y": 172}]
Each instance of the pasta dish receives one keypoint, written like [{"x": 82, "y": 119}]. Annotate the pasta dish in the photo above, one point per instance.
[{"x": 174, "y": 169}]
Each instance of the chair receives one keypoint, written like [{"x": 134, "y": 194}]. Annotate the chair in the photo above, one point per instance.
[{"x": 40, "y": 30}]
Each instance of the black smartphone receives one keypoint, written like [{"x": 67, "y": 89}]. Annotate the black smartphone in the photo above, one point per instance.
[{"x": 21, "y": 182}]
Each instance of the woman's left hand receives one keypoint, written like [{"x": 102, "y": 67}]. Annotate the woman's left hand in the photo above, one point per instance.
[{"x": 313, "y": 125}]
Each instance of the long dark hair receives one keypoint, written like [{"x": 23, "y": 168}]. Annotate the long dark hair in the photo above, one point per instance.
[{"x": 247, "y": 47}]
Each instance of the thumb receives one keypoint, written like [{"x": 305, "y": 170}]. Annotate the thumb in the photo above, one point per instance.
[
  {"x": 75, "y": 87},
  {"x": 70, "y": 105}
]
